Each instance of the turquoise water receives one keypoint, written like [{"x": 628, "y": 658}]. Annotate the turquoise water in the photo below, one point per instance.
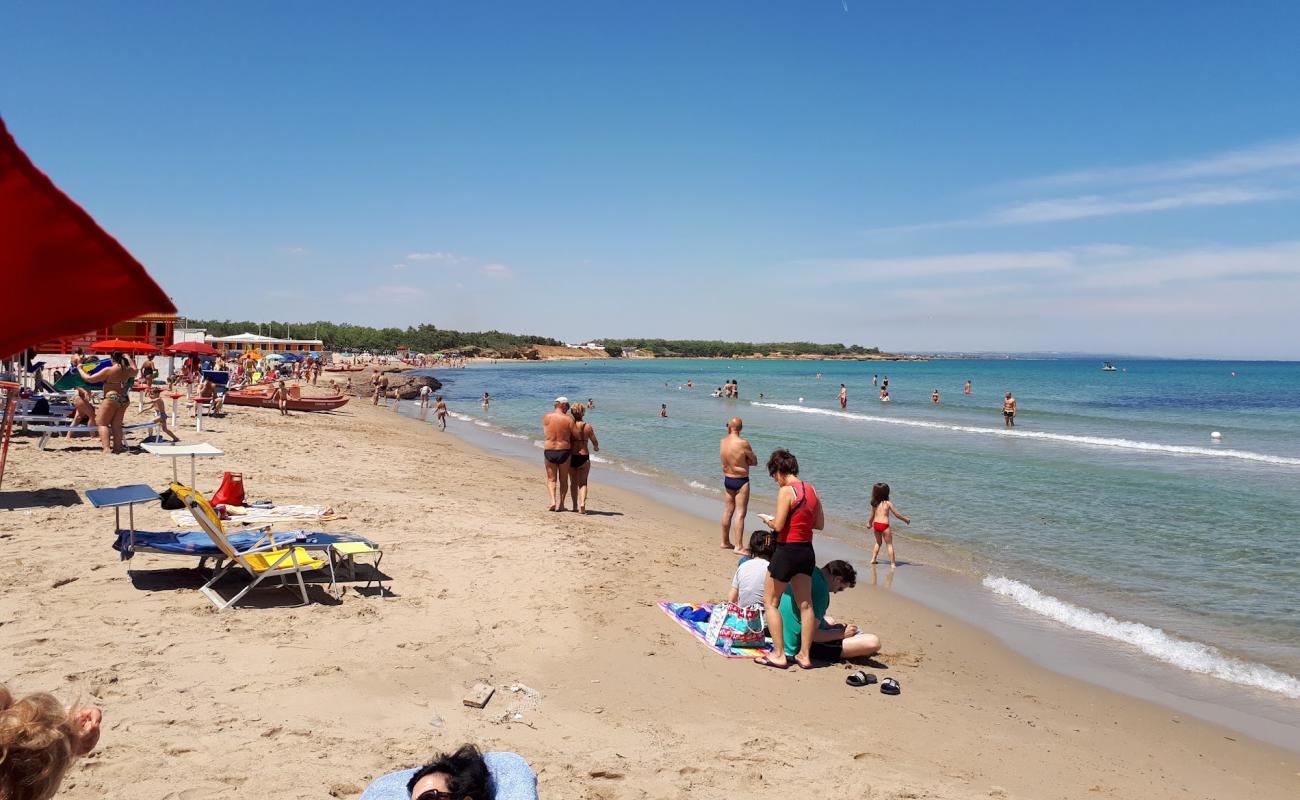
[{"x": 1109, "y": 509}]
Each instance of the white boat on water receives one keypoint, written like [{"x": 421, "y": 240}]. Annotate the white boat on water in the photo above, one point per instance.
[{"x": 1109, "y": 367}]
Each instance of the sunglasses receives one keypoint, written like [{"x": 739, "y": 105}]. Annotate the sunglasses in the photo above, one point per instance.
[{"x": 434, "y": 794}]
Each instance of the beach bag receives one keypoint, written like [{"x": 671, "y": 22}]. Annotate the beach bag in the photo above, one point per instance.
[
  {"x": 744, "y": 626},
  {"x": 231, "y": 491},
  {"x": 170, "y": 500}
]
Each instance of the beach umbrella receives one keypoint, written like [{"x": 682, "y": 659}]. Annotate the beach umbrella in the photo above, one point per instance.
[
  {"x": 253, "y": 354},
  {"x": 49, "y": 243},
  {"x": 291, "y": 357},
  {"x": 273, "y": 357},
  {"x": 122, "y": 346},
  {"x": 197, "y": 348}
]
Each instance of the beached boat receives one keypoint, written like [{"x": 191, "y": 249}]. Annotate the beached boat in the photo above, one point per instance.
[
  {"x": 261, "y": 397},
  {"x": 343, "y": 369}
]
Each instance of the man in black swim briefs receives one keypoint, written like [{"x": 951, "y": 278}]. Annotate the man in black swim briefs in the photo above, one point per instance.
[
  {"x": 557, "y": 433},
  {"x": 737, "y": 457}
]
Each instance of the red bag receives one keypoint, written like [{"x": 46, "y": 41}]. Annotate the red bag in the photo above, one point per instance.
[{"x": 231, "y": 491}]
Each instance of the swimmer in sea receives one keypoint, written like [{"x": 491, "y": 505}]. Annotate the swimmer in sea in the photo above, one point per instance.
[
  {"x": 934, "y": 397},
  {"x": 968, "y": 388},
  {"x": 737, "y": 457},
  {"x": 1009, "y": 411},
  {"x": 487, "y": 398},
  {"x": 844, "y": 396},
  {"x": 440, "y": 413},
  {"x": 884, "y": 395},
  {"x": 663, "y": 410}
]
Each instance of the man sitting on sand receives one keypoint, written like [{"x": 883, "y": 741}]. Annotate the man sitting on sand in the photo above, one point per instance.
[
  {"x": 832, "y": 641},
  {"x": 737, "y": 457},
  {"x": 557, "y": 432}
]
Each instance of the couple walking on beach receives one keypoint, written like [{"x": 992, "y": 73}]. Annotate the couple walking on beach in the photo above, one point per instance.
[{"x": 568, "y": 442}]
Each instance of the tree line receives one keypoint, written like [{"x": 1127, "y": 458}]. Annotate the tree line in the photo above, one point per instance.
[
  {"x": 343, "y": 337},
  {"x": 701, "y": 348}
]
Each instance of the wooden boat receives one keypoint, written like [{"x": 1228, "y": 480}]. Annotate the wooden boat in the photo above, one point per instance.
[
  {"x": 343, "y": 369},
  {"x": 260, "y": 397}
]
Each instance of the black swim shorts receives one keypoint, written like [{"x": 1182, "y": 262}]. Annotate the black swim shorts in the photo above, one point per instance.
[
  {"x": 791, "y": 559},
  {"x": 827, "y": 651},
  {"x": 556, "y": 456}
]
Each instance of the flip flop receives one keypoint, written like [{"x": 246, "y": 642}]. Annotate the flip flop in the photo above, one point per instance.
[
  {"x": 890, "y": 686},
  {"x": 763, "y": 661},
  {"x": 860, "y": 678}
]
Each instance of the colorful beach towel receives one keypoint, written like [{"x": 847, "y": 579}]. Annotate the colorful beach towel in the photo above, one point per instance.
[
  {"x": 242, "y": 515},
  {"x": 681, "y": 613}
]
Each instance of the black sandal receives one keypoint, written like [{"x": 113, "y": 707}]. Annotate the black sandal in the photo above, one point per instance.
[
  {"x": 860, "y": 678},
  {"x": 890, "y": 686}
]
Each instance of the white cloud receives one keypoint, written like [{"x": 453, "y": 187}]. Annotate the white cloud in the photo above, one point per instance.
[
  {"x": 499, "y": 271},
  {"x": 292, "y": 251},
  {"x": 1254, "y": 160},
  {"x": 1060, "y": 209},
  {"x": 385, "y": 294},
  {"x": 399, "y": 267},
  {"x": 867, "y": 269},
  {"x": 445, "y": 258}
]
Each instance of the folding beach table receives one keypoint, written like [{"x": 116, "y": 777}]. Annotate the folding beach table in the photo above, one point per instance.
[
  {"x": 175, "y": 451},
  {"x": 117, "y": 496}
]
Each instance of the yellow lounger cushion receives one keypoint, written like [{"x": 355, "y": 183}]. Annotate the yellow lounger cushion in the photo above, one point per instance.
[{"x": 263, "y": 561}]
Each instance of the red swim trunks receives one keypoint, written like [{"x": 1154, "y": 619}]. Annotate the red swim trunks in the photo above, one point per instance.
[{"x": 880, "y": 527}]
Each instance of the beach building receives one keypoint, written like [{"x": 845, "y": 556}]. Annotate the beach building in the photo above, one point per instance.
[
  {"x": 151, "y": 329},
  {"x": 265, "y": 344}
]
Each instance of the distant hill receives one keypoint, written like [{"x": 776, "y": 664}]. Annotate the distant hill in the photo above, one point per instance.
[
  {"x": 420, "y": 339},
  {"x": 699, "y": 348}
]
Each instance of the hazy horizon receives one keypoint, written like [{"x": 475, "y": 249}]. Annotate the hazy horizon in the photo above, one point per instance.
[{"x": 1009, "y": 178}]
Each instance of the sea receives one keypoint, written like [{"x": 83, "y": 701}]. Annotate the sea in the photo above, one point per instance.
[{"x": 1152, "y": 510}]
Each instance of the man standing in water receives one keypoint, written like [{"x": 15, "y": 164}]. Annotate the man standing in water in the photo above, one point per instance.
[
  {"x": 968, "y": 388},
  {"x": 557, "y": 431},
  {"x": 844, "y": 396},
  {"x": 737, "y": 457},
  {"x": 1009, "y": 411}
]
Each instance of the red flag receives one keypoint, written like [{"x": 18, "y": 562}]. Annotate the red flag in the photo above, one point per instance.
[{"x": 60, "y": 273}]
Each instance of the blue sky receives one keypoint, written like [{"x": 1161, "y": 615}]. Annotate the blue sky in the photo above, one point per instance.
[{"x": 981, "y": 176}]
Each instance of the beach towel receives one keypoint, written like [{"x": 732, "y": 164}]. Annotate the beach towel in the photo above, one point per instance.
[
  {"x": 199, "y": 544},
  {"x": 697, "y": 627},
  {"x": 247, "y": 515}
]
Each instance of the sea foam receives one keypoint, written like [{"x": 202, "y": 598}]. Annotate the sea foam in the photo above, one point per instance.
[
  {"x": 1191, "y": 656},
  {"x": 1069, "y": 438}
]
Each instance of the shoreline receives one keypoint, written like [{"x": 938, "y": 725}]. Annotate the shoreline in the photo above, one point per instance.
[
  {"x": 619, "y": 702},
  {"x": 949, "y": 581}
]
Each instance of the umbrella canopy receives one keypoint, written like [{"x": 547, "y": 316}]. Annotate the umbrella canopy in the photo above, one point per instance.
[
  {"x": 291, "y": 357},
  {"x": 122, "y": 346},
  {"x": 314, "y": 354},
  {"x": 273, "y": 357},
  {"x": 197, "y": 348},
  {"x": 48, "y": 243},
  {"x": 253, "y": 354}
]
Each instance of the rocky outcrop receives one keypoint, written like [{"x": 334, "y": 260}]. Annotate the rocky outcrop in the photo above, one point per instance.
[{"x": 406, "y": 385}]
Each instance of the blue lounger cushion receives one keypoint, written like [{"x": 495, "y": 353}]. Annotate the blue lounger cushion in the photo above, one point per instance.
[{"x": 199, "y": 544}]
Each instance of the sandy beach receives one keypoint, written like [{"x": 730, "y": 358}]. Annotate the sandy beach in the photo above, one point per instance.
[{"x": 611, "y": 700}]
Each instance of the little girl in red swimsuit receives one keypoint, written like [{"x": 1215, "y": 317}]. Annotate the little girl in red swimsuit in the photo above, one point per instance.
[{"x": 881, "y": 508}]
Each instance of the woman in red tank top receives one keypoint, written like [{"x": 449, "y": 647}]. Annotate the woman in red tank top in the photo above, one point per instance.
[{"x": 798, "y": 514}]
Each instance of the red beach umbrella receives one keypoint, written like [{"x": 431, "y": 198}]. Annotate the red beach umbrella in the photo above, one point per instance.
[
  {"x": 122, "y": 346},
  {"x": 49, "y": 244},
  {"x": 197, "y": 348}
]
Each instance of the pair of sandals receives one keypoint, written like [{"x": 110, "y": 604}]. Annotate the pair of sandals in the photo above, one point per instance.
[{"x": 860, "y": 678}]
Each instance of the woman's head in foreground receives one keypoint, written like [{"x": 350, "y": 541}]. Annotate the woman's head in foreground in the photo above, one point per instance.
[
  {"x": 578, "y": 411},
  {"x": 461, "y": 775},
  {"x": 782, "y": 462},
  {"x": 39, "y": 740}
]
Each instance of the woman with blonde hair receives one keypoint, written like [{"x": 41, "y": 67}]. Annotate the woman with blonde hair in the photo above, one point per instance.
[
  {"x": 580, "y": 446},
  {"x": 39, "y": 740}
]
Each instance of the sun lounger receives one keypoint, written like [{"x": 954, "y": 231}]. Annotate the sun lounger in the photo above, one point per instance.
[
  {"x": 198, "y": 544},
  {"x": 511, "y": 776},
  {"x": 47, "y": 430},
  {"x": 267, "y": 558}
]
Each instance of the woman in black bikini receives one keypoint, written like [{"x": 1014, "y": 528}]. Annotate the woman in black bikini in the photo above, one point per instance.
[{"x": 580, "y": 458}]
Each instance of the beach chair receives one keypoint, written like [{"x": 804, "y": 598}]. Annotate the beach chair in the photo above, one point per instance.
[
  {"x": 47, "y": 430},
  {"x": 265, "y": 559}
]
